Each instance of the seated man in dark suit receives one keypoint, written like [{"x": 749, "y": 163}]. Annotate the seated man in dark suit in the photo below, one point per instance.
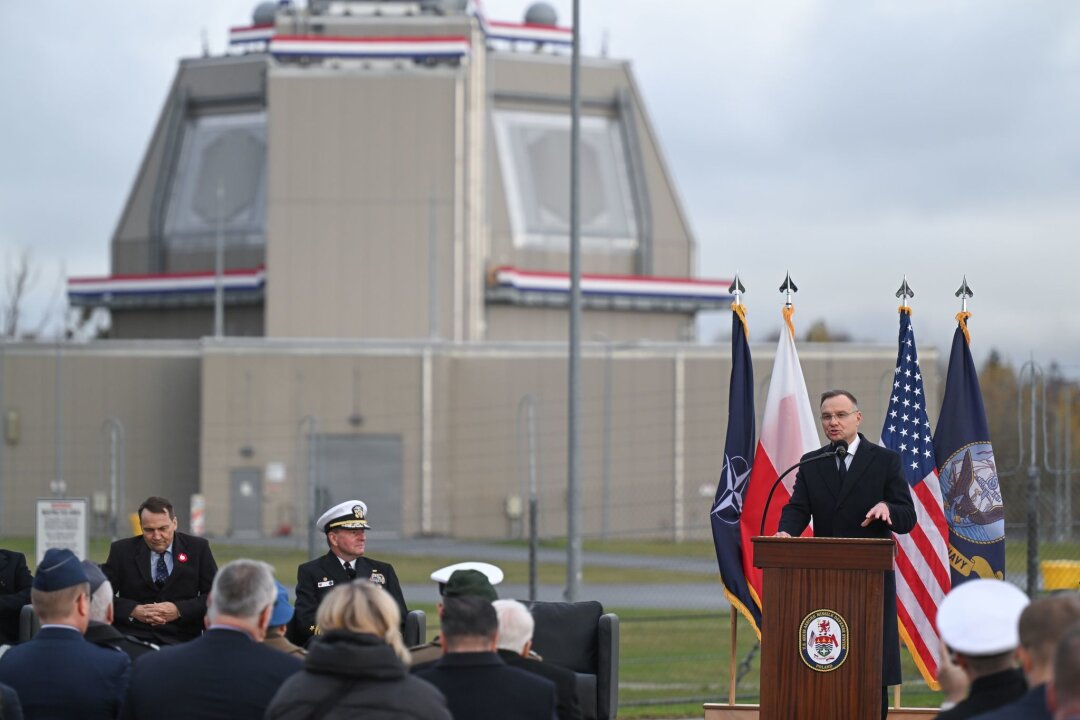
[
  {"x": 474, "y": 679},
  {"x": 228, "y": 673},
  {"x": 346, "y": 527},
  {"x": 58, "y": 674},
  {"x": 516, "y": 627},
  {"x": 15, "y": 581},
  {"x": 161, "y": 578}
]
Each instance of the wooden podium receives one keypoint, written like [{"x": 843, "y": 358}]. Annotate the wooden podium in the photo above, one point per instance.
[{"x": 821, "y": 628}]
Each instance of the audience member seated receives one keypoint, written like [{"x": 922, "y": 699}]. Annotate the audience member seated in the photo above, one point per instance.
[
  {"x": 100, "y": 631},
  {"x": 1042, "y": 626},
  {"x": 161, "y": 578},
  {"x": 227, "y": 673},
  {"x": 515, "y": 641},
  {"x": 978, "y": 622},
  {"x": 474, "y": 679},
  {"x": 358, "y": 666},
  {"x": 476, "y": 578},
  {"x": 1064, "y": 690},
  {"x": 10, "y": 708},
  {"x": 279, "y": 624},
  {"x": 57, "y": 674},
  {"x": 15, "y": 582}
]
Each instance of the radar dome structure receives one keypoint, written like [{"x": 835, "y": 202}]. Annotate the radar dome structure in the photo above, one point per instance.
[
  {"x": 541, "y": 13},
  {"x": 264, "y": 14}
]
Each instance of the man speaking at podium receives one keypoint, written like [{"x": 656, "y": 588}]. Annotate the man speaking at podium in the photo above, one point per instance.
[{"x": 854, "y": 490}]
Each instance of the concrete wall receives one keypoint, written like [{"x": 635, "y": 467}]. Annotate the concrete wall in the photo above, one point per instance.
[
  {"x": 354, "y": 159},
  {"x": 152, "y": 389}
]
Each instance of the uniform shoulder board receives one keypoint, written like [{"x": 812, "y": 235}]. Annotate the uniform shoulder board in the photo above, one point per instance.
[{"x": 140, "y": 641}]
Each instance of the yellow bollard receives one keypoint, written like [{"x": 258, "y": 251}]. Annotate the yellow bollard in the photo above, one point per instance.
[{"x": 136, "y": 525}]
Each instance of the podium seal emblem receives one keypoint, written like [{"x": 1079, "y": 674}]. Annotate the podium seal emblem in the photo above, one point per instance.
[{"x": 823, "y": 636}]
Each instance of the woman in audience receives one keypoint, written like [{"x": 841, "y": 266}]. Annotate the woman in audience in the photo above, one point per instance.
[{"x": 359, "y": 666}]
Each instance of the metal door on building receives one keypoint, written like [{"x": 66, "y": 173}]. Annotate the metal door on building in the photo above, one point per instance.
[
  {"x": 363, "y": 467},
  {"x": 245, "y": 502}
]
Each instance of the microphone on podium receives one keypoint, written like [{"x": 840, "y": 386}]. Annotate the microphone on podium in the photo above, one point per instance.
[{"x": 836, "y": 449}]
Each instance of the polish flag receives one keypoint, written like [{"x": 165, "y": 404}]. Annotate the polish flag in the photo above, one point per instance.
[{"x": 788, "y": 431}]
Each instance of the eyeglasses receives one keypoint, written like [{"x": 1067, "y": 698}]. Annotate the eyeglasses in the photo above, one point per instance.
[{"x": 828, "y": 417}]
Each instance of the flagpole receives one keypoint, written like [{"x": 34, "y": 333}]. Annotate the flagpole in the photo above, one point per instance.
[{"x": 733, "y": 655}]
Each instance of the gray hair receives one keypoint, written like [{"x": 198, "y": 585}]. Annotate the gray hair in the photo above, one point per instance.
[
  {"x": 516, "y": 624},
  {"x": 242, "y": 589},
  {"x": 100, "y": 602}
]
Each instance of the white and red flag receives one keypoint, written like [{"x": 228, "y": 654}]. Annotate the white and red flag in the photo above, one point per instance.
[{"x": 788, "y": 431}]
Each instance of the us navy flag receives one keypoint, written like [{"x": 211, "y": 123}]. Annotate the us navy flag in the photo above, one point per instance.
[
  {"x": 969, "y": 479},
  {"x": 738, "y": 456}
]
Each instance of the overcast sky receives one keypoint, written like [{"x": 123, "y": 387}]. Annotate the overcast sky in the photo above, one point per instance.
[{"x": 848, "y": 142}]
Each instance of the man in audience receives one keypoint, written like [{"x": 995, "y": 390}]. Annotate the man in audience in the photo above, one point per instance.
[
  {"x": 1042, "y": 625},
  {"x": 978, "y": 623},
  {"x": 100, "y": 631},
  {"x": 345, "y": 526},
  {"x": 475, "y": 681},
  {"x": 228, "y": 673},
  {"x": 1064, "y": 689},
  {"x": 15, "y": 582},
  {"x": 161, "y": 579},
  {"x": 474, "y": 578},
  {"x": 57, "y": 674},
  {"x": 516, "y": 626},
  {"x": 279, "y": 623}
]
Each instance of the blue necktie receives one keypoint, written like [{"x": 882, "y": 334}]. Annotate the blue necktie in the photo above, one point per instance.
[{"x": 161, "y": 571}]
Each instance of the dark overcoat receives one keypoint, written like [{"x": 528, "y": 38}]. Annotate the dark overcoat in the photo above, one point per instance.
[{"x": 874, "y": 476}]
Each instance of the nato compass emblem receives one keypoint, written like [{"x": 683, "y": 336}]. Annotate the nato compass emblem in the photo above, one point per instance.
[
  {"x": 733, "y": 480},
  {"x": 824, "y": 635},
  {"x": 969, "y": 484}
]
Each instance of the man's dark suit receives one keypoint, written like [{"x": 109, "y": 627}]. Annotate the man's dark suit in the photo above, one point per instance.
[
  {"x": 59, "y": 675},
  {"x": 316, "y": 578},
  {"x": 223, "y": 674},
  {"x": 15, "y": 582},
  {"x": 481, "y": 685},
  {"x": 567, "y": 705},
  {"x": 874, "y": 476},
  {"x": 10, "y": 707},
  {"x": 128, "y": 570}
]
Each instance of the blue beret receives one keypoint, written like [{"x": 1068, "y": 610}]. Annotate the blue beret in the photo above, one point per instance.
[{"x": 59, "y": 569}]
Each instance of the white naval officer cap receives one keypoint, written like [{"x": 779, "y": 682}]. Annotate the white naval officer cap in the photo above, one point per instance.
[
  {"x": 982, "y": 617},
  {"x": 493, "y": 573},
  {"x": 348, "y": 515}
]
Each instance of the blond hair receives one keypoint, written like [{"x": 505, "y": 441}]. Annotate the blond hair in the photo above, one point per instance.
[{"x": 363, "y": 607}]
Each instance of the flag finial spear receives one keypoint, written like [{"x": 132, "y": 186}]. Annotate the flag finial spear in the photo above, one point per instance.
[
  {"x": 964, "y": 293},
  {"x": 789, "y": 289},
  {"x": 736, "y": 289},
  {"x": 904, "y": 293}
]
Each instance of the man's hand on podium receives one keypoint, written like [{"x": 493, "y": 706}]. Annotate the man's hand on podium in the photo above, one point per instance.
[
  {"x": 781, "y": 533},
  {"x": 878, "y": 512}
]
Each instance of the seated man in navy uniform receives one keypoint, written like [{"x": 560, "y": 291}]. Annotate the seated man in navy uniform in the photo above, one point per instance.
[{"x": 346, "y": 528}]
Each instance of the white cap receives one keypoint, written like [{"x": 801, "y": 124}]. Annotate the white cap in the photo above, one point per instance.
[
  {"x": 493, "y": 573},
  {"x": 982, "y": 617},
  {"x": 349, "y": 515}
]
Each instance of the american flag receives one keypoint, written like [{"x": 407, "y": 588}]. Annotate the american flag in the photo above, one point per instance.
[{"x": 922, "y": 563}]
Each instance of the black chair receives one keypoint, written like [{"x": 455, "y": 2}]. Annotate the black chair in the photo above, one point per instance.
[
  {"x": 581, "y": 637},
  {"x": 29, "y": 623},
  {"x": 415, "y": 630}
]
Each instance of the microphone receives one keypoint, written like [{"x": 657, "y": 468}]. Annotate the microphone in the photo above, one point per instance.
[{"x": 836, "y": 449}]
